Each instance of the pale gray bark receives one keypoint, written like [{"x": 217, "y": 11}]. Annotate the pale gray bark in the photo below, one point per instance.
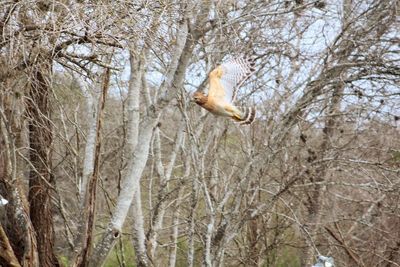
[
  {"x": 133, "y": 115},
  {"x": 165, "y": 176},
  {"x": 128, "y": 190},
  {"x": 91, "y": 97},
  {"x": 138, "y": 64},
  {"x": 174, "y": 237},
  {"x": 208, "y": 236},
  {"x": 139, "y": 237}
]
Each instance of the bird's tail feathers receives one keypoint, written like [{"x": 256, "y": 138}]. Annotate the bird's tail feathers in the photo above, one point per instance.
[{"x": 248, "y": 115}]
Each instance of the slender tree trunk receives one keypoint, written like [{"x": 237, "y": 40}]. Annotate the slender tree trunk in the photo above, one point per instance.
[
  {"x": 174, "y": 234},
  {"x": 136, "y": 160},
  {"x": 138, "y": 66},
  {"x": 88, "y": 163},
  {"x": 85, "y": 238},
  {"x": 40, "y": 176},
  {"x": 159, "y": 210},
  {"x": 126, "y": 197},
  {"x": 139, "y": 238}
]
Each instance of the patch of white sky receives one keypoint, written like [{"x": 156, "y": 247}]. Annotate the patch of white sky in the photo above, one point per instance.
[
  {"x": 379, "y": 96},
  {"x": 321, "y": 28},
  {"x": 318, "y": 29},
  {"x": 159, "y": 58}
]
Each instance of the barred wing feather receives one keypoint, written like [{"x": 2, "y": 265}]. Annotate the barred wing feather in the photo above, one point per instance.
[{"x": 234, "y": 73}]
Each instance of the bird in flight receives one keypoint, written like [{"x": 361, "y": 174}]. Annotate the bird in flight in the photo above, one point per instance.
[{"x": 224, "y": 81}]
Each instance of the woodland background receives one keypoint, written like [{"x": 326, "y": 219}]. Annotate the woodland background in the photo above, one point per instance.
[{"x": 104, "y": 159}]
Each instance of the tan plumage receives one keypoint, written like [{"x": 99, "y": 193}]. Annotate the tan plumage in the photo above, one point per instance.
[{"x": 224, "y": 82}]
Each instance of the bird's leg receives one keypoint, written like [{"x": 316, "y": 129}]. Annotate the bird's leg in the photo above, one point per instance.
[
  {"x": 236, "y": 117},
  {"x": 235, "y": 113}
]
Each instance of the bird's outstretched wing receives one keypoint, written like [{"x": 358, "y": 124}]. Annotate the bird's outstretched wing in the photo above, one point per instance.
[{"x": 228, "y": 77}]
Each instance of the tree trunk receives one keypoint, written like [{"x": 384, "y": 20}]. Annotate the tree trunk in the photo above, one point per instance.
[
  {"x": 21, "y": 235},
  {"x": 40, "y": 176},
  {"x": 165, "y": 175},
  {"x": 92, "y": 114},
  {"x": 7, "y": 256},
  {"x": 133, "y": 108},
  {"x": 85, "y": 238},
  {"x": 139, "y": 238}
]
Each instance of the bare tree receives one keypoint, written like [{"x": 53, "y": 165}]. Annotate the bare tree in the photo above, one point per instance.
[{"x": 100, "y": 138}]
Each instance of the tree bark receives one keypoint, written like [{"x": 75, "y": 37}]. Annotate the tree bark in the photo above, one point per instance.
[
  {"x": 40, "y": 176},
  {"x": 22, "y": 235},
  {"x": 7, "y": 256},
  {"x": 90, "y": 146},
  {"x": 165, "y": 175},
  {"x": 85, "y": 238},
  {"x": 125, "y": 198},
  {"x": 138, "y": 66}
]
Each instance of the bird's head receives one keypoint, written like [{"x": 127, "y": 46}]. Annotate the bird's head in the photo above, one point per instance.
[{"x": 199, "y": 98}]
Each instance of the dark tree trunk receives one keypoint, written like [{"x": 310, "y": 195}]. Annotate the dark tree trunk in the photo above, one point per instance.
[
  {"x": 84, "y": 241},
  {"x": 40, "y": 177}
]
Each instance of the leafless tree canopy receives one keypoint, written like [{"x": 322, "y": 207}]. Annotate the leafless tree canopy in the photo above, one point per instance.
[{"x": 106, "y": 160}]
